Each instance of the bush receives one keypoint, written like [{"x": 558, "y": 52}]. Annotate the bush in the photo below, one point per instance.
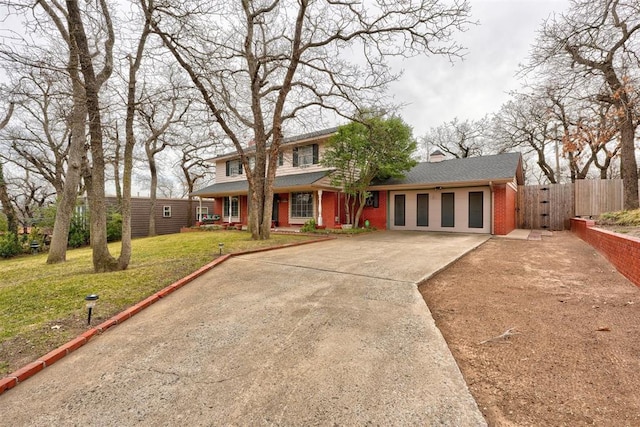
[
  {"x": 621, "y": 218},
  {"x": 78, "y": 231},
  {"x": 309, "y": 226},
  {"x": 9, "y": 245},
  {"x": 4, "y": 224},
  {"x": 114, "y": 226},
  {"x": 37, "y": 236}
]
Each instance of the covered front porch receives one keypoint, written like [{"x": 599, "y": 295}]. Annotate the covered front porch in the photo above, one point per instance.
[{"x": 297, "y": 199}]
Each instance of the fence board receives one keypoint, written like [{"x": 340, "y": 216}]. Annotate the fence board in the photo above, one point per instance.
[
  {"x": 545, "y": 206},
  {"x": 595, "y": 196},
  {"x": 584, "y": 198}
]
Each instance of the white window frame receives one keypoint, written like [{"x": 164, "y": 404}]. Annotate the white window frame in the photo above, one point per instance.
[
  {"x": 200, "y": 211},
  {"x": 305, "y": 155},
  {"x": 166, "y": 212},
  {"x": 292, "y": 203},
  {"x": 235, "y": 200},
  {"x": 234, "y": 167}
]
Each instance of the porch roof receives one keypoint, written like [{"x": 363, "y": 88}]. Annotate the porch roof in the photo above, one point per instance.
[{"x": 283, "y": 182}]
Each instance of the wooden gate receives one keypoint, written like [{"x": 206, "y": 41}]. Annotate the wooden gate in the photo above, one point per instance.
[{"x": 547, "y": 207}]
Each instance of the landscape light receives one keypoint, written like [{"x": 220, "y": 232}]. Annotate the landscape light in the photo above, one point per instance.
[
  {"x": 91, "y": 302},
  {"x": 220, "y": 246}
]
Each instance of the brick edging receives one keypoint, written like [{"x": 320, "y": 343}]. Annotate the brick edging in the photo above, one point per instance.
[{"x": 29, "y": 370}]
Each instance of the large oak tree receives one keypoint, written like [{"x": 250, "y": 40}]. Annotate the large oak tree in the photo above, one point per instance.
[{"x": 270, "y": 65}]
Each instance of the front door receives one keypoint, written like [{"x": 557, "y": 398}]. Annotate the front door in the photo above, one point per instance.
[{"x": 275, "y": 209}]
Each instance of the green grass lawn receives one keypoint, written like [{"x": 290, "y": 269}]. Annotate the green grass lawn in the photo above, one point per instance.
[{"x": 35, "y": 296}]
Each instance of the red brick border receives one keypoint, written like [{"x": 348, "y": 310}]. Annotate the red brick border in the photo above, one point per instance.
[
  {"x": 53, "y": 356},
  {"x": 622, "y": 251}
]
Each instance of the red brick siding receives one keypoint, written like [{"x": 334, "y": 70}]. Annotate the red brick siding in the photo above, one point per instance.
[
  {"x": 510, "y": 214},
  {"x": 622, "y": 251},
  {"x": 499, "y": 212},
  {"x": 329, "y": 201},
  {"x": 504, "y": 209},
  {"x": 377, "y": 216}
]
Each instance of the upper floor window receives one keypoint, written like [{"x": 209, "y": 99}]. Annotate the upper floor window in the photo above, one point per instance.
[
  {"x": 166, "y": 211},
  {"x": 305, "y": 155},
  {"x": 234, "y": 167}
]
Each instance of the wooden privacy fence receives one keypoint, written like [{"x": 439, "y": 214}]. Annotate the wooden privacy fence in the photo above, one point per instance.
[
  {"x": 595, "y": 196},
  {"x": 547, "y": 207},
  {"x": 552, "y": 206}
]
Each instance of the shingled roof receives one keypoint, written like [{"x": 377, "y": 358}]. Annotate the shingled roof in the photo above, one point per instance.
[
  {"x": 284, "y": 181},
  {"x": 496, "y": 168},
  {"x": 286, "y": 141}
]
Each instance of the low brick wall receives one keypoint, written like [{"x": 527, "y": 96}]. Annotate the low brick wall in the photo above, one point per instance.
[{"x": 622, "y": 251}]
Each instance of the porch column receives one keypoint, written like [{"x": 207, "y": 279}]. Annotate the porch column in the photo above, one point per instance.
[
  {"x": 200, "y": 210},
  {"x": 229, "y": 216},
  {"x": 320, "y": 207}
]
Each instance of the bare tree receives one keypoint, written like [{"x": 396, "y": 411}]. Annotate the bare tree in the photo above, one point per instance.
[
  {"x": 599, "y": 40},
  {"x": 94, "y": 177},
  {"x": 5, "y": 201},
  {"x": 260, "y": 64},
  {"x": 30, "y": 194},
  {"x": 157, "y": 121},
  {"x": 57, "y": 15},
  {"x": 135, "y": 62},
  {"x": 41, "y": 133},
  {"x": 193, "y": 166},
  {"x": 459, "y": 139},
  {"x": 524, "y": 122}
]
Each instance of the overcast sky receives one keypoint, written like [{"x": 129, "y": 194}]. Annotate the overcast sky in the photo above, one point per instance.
[{"x": 437, "y": 92}]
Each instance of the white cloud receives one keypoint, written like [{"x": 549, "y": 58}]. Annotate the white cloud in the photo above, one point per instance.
[{"x": 437, "y": 92}]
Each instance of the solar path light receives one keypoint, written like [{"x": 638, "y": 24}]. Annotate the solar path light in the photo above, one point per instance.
[
  {"x": 221, "y": 247},
  {"x": 91, "y": 302}
]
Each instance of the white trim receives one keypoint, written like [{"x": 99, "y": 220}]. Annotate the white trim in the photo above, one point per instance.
[{"x": 301, "y": 220}]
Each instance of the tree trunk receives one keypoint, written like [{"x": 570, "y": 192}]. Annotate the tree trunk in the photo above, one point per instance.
[
  {"x": 361, "y": 202},
  {"x": 102, "y": 259},
  {"x": 7, "y": 206},
  {"x": 152, "y": 194},
  {"x": 69, "y": 195},
  {"x": 628, "y": 164},
  {"x": 116, "y": 170},
  {"x": 68, "y": 199}
]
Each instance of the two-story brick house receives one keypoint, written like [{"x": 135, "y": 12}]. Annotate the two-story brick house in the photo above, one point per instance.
[
  {"x": 302, "y": 188},
  {"x": 473, "y": 195}
]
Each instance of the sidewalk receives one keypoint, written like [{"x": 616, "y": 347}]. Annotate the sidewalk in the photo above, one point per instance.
[{"x": 329, "y": 333}]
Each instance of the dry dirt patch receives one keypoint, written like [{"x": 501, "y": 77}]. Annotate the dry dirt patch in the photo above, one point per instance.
[{"x": 572, "y": 356}]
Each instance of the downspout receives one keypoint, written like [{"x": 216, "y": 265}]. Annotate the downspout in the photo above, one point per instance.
[
  {"x": 491, "y": 205},
  {"x": 388, "y": 209}
]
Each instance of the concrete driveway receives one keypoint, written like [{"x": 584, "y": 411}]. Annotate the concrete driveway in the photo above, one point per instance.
[{"x": 333, "y": 333}]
